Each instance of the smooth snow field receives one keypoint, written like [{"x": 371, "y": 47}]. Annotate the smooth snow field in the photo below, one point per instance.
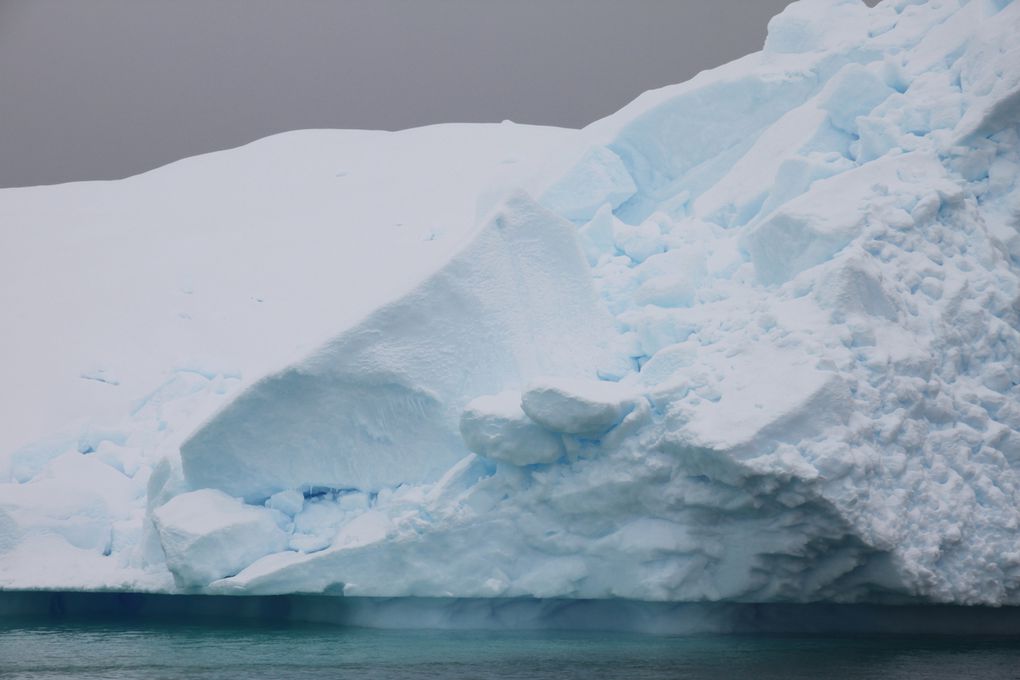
[{"x": 754, "y": 338}]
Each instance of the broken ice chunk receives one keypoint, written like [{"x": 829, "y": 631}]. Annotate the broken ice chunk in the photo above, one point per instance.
[
  {"x": 495, "y": 427},
  {"x": 584, "y": 407}
]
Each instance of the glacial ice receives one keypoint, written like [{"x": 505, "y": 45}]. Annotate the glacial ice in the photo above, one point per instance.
[
  {"x": 379, "y": 406},
  {"x": 577, "y": 407},
  {"x": 496, "y": 427},
  {"x": 755, "y": 338},
  {"x": 207, "y": 535}
]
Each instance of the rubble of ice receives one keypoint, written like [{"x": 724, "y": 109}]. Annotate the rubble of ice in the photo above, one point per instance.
[{"x": 755, "y": 337}]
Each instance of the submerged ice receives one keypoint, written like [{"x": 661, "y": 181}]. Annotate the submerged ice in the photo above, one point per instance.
[{"x": 755, "y": 337}]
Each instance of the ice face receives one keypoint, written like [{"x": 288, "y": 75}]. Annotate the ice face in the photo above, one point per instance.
[
  {"x": 756, "y": 340},
  {"x": 185, "y": 285},
  {"x": 380, "y": 405}
]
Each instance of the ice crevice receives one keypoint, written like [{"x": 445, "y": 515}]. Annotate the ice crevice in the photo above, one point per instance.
[{"x": 753, "y": 338}]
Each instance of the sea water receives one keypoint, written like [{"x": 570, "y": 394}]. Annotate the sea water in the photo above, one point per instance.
[{"x": 113, "y": 649}]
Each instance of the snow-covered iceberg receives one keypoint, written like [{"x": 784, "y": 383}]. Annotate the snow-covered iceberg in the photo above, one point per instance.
[{"x": 755, "y": 337}]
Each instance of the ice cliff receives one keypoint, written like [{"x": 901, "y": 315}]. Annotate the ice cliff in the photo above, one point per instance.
[{"x": 755, "y": 337}]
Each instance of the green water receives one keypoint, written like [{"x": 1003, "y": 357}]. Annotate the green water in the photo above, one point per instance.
[{"x": 159, "y": 650}]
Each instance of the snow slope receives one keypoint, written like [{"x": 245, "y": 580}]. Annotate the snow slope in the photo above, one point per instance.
[
  {"x": 789, "y": 371},
  {"x": 112, "y": 286}
]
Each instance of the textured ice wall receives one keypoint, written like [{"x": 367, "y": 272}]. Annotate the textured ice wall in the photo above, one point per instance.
[{"x": 855, "y": 259}]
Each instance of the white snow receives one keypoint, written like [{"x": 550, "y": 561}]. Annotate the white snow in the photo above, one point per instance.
[{"x": 754, "y": 337}]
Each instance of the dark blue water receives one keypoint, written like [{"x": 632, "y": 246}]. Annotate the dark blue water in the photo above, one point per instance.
[{"x": 114, "y": 650}]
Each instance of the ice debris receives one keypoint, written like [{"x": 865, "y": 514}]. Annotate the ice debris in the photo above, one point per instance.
[{"x": 207, "y": 535}]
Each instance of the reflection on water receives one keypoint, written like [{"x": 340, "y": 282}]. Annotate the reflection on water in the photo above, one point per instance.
[{"x": 34, "y": 649}]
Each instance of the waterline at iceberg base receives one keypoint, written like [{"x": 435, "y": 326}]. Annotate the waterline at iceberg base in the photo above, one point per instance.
[
  {"x": 755, "y": 338},
  {"x": 497, "y": 614}
]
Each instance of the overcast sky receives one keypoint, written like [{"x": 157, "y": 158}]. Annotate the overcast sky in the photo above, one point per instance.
[{"x": 101, "y": 89}]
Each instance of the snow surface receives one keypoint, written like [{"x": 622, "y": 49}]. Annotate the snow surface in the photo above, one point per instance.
[{"x": 755, "y": 337}]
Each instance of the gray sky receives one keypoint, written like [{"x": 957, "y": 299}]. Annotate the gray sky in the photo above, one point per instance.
[{"x": 101, "y": 89}]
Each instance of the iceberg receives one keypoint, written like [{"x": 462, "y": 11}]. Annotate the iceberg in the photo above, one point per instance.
[{"x": 753, "y": 338}]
